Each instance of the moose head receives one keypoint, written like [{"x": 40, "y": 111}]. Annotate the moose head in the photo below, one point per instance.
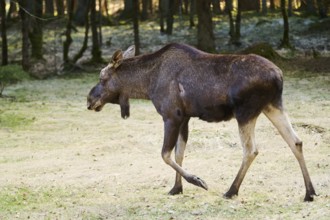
[{"x": 108, "y": 90}]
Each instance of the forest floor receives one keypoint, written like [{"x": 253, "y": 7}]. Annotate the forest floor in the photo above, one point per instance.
[{"x": 60, "y": 161}]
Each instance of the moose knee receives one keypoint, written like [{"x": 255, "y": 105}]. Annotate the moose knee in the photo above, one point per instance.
[
  {"x": 299, "y": 145},
  {"x": 166, "y": 157}
]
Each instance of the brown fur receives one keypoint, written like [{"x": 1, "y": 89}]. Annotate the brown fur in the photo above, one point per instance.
[{"x": 183, "y": 82}]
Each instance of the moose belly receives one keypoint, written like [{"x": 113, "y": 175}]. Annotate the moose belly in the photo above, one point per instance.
[{"x": 215, "y": 113}]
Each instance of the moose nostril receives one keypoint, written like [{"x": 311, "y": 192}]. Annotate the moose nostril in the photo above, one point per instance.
[{"x": 89, "y": 106}]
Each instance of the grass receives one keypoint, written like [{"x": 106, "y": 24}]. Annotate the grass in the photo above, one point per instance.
[{"x": 60, "y": 161}]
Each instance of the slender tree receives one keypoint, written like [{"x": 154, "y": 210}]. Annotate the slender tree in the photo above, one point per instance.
[
  {"x": 285, "y": 40},
  {"x": 60, "y": 7},
  {"x": 96, "y": 51},
  {"x": 25, "y": 35},
  {"x": 229, "y": 9},
  {"x": 3, "y": 33},
  {"x": 82, "y": 7},
  {"x": 272, "y": 5},
  {"x": 85, "y": 43},
  {"x": 12, "y": 10},
  {"x": 205, "y": 36},
  {"x": 36, "y": 34},
  {"x": 264, "y": 7},
  {"x": 49, "y": 8},
  {"x": 68, "y": 40},
  {"x": 322, "y": 8},
  {"x": 216, "y": 6},
  {"x": 311, "y": 10},
  {"x": 145, "y": 9},
  {"x": 290, "y": 8},
  {"x": 237, "y": 35},
  {"x": 128, "y": 9},
  {"x": 234, "y": 25},
  {"x": 192, "y": 12},
  {"x": 166, "y": 11},
  {"x": 136, "y": 26}
]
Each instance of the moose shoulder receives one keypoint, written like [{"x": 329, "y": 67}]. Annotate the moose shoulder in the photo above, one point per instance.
[{"x": 183, "y": 82}]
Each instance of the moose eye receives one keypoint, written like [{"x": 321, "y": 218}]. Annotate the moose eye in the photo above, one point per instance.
[{"x": 102, "y": 82}]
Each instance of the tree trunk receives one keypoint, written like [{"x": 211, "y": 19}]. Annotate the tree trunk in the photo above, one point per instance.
[
  {"x": 289, "y": 8},
  {"x": 96, "y": 52},
  {"x": 60, "y": 7},
  {"x": 250, "y": 5},
  {"x": 49, "y": 6},
  {"x": 272, "y": 5},
  {"x": 36, "y": 35},
  {"x": 285, "y": 41},
  {"x": 100, "y": 24},
  {"x": 136, "y": 26},
  {"x": 216, "y": 6},
  {"x": 25, "y": 35},
  {"x": 192, "y": 11},
  {"x": 68, "y": 40},
  {"x": 170, "y": 17},
  {"x": 322, "y": 8},
  {"x": 237, "y": 36},
  {"x": 205, "y": 37},
  {"x": 3, "y": 33},
  {"x": 80, "y": 11},
  {"x": 128, "y": 9},
  {"x": 12, "y": 9},
  {"x": 145, "y": 8},
  {"x": 310, "y": 7},
  {"x": 264, "y": 7},
  {"x": 229, "y": 9},
  {"x": 85, "y": 43},
  {"x": 166, "y": 11}
]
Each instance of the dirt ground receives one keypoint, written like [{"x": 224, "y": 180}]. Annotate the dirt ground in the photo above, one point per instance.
[{"x": 60, "y": 161}]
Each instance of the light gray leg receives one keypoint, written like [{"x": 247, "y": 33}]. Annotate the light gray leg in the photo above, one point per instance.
[
  {"x": 281, "y": 121},
  {"x": 246, "y": 132}
]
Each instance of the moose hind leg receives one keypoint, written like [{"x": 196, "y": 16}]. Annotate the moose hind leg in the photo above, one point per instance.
[
  {"x": 246, "y": 132},
  {"x": 281, "y": 121},
  {"x": 179, "y": 154}
]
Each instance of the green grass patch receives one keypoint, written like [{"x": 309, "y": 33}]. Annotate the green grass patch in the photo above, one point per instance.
[
  {"x": 15, "y": 199},
  {"x": 12, "y": 73},
  {"x": 14, "y": 120}
]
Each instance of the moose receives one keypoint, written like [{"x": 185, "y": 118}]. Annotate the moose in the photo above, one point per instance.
[{"x": 183, "y": 82}]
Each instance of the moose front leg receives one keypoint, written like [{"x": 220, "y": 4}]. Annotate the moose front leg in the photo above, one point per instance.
[
  {"x": 179, "y": 154},
  {"x": 172, "y": 129}
]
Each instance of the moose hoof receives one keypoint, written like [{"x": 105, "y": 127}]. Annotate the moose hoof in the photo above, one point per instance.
[
  {"x": 230, "y": 194},
  {"x": 309, "y": 197},
  {"x": 197, "y": 182},
  {"x": 176, "y": 190}
]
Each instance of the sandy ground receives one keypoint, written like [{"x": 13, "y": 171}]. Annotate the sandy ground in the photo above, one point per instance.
[{"x": 60, "y": 161}]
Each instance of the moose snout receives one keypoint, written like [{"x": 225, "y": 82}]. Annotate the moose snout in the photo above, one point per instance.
[{"x": 89, "y": 106}]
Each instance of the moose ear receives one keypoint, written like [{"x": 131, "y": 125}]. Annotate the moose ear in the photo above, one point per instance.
[
  {"x": 130, "y": 52},
  {"x": 117, "y": 58}
]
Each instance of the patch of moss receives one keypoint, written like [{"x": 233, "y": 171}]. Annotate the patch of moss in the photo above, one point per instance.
[{"x": 11, "y": 74}]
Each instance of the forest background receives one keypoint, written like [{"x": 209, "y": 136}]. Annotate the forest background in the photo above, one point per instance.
[{"x": 49, "y": 37}]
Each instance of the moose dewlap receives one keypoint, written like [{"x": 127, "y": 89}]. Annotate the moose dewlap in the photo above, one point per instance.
[{"x": 183, "y": 82}]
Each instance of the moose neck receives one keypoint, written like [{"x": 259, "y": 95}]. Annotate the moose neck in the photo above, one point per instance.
[{"x": 135, "y": 76}]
